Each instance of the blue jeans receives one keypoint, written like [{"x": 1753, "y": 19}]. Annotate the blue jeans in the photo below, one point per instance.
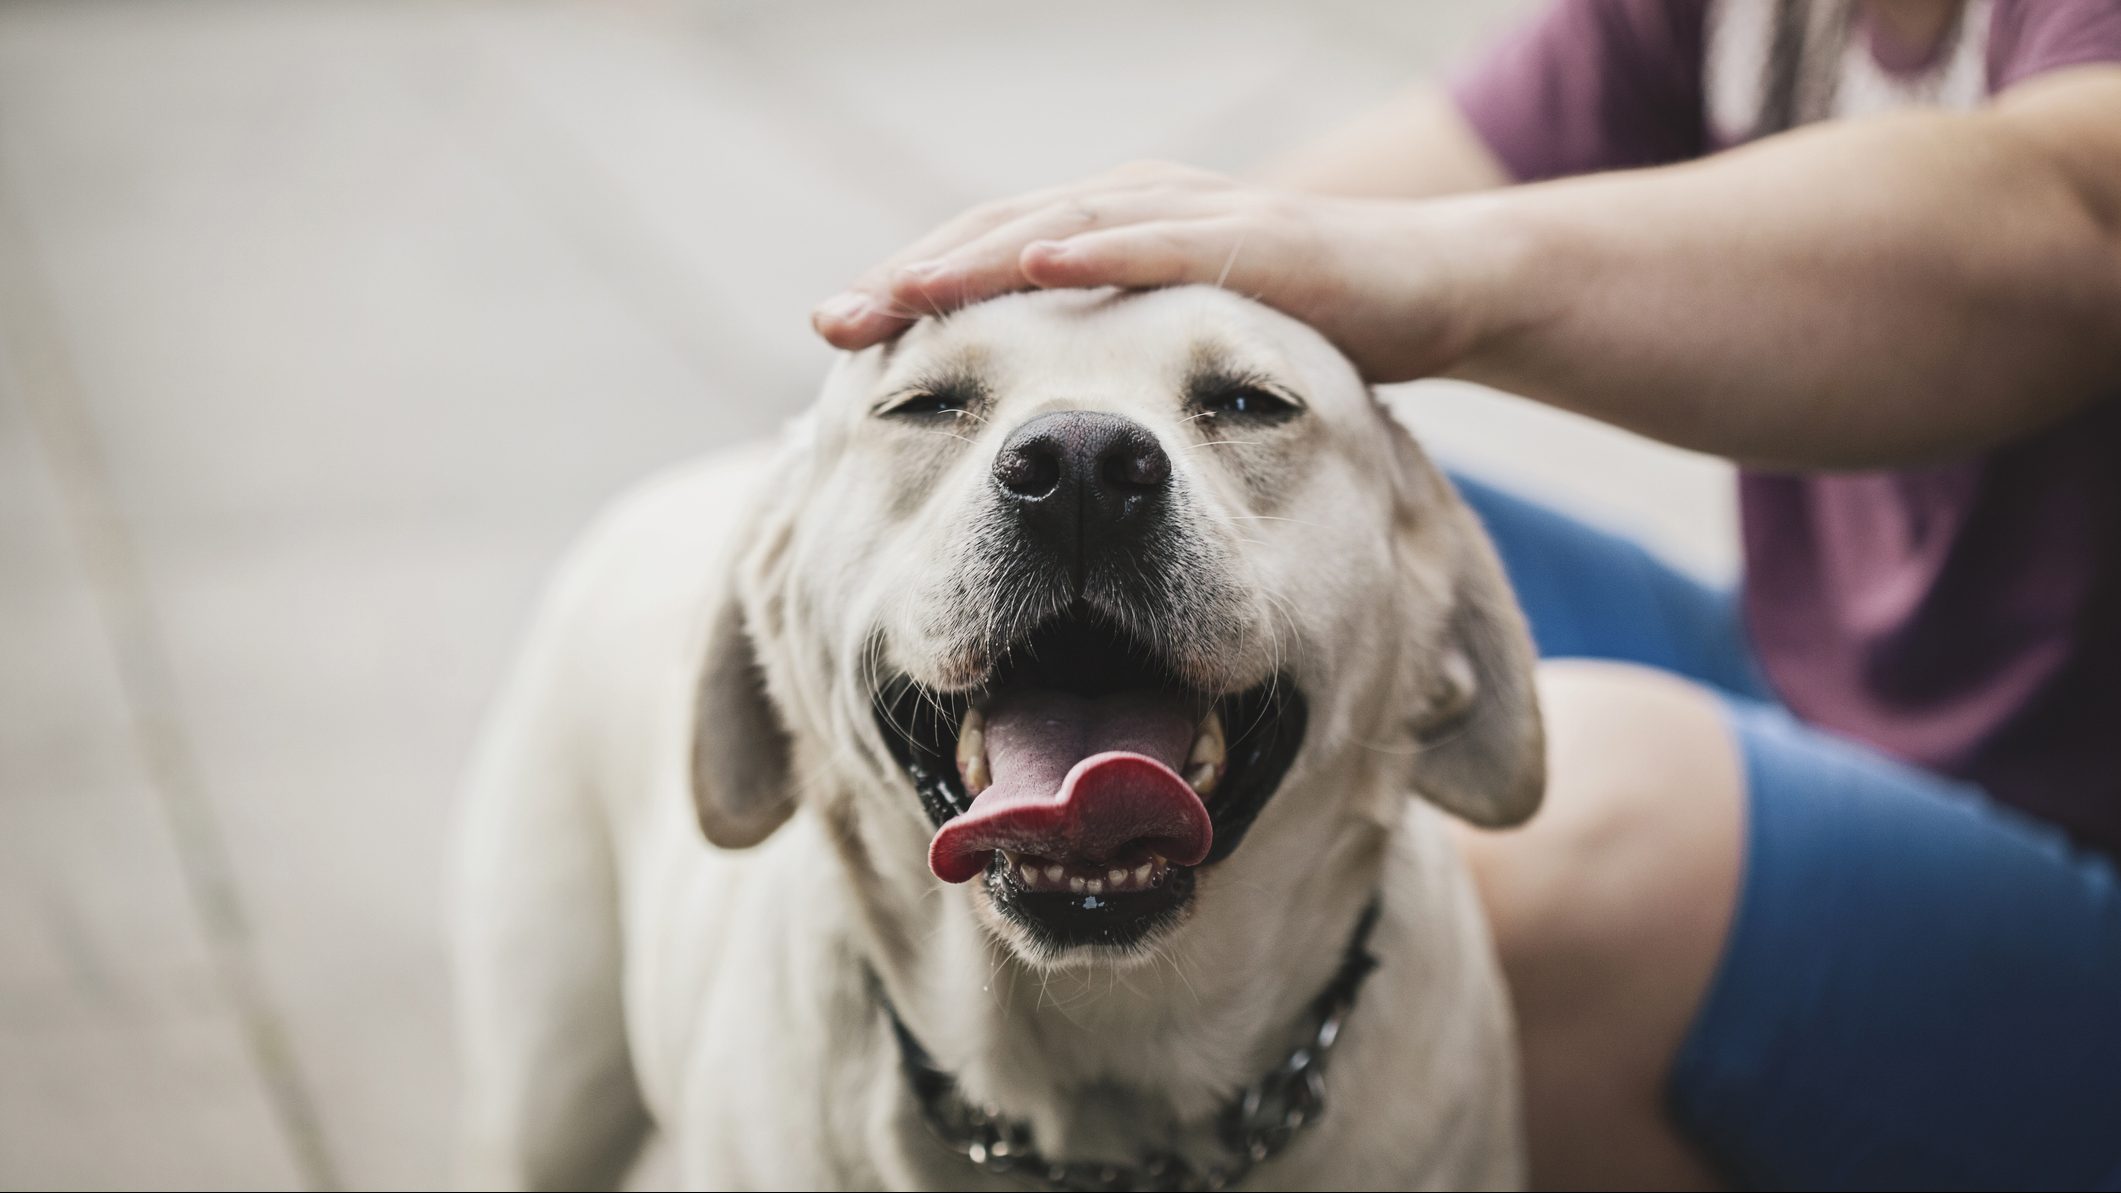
[{"x": 1921, "y": 987}]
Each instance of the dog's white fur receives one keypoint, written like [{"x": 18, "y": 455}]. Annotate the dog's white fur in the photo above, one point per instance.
[{"x": 706, "y": 659}]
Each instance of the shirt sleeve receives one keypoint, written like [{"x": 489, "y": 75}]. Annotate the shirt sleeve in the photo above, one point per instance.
[
  {"x": 2032, "y": 37},
  {"x": 1592, "y": 85}
]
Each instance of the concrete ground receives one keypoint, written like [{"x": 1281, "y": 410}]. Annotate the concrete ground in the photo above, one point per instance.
[{"x": 323, "y": 326}]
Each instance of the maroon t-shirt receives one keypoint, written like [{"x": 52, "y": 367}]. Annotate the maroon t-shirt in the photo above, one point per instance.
[{"x": 1964, "y": 617}]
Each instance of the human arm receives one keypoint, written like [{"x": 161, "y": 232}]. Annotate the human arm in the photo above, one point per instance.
[
  {"x": 1857, "y": 294},
  {"x": 1860, "y": 294}
]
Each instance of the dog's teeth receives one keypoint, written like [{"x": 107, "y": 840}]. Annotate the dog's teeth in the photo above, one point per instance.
[
  {"x": 1030, "y": 873},
  {"x": 1204, "y": 762},
  {"x": 1141, "y": 873},
  {"x": 972, "y": 751},
  {"x": 1116, "y": 877},
  {"x": 1056, "y": 873},
  {"x": 1076, "y": 885},
  {"x": 1095, "y": 886}
]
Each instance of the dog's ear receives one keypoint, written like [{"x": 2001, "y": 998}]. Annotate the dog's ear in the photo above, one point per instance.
[
  {"x": 741, "y": 755},
  {"x": 1481, "y": 751},
  {"x": 743, "y": 782}
]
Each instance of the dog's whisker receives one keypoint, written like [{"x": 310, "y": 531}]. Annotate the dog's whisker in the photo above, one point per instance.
[
  {"x": 1179, "y": 971},
  {"x": 934, "y": 309},
  {"x": 1279, "y": 518},
  {"x": 1231, "y": 262},
  {"x": 899, "y": 310}
]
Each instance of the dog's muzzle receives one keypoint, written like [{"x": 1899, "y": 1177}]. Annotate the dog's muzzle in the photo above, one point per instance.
[
  {"x": 1095, "y": 762},
  {"x": 1087, "y": 781}
]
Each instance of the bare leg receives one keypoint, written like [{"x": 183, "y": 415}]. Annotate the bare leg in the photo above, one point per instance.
[{"x": 1610, "y": 909}]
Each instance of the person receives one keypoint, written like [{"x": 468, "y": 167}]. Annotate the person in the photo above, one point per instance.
[{"x": 1825, "y": 892}]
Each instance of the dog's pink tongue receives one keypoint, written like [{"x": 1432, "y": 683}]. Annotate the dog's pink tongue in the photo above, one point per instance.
[{"x": 1077, "y": 780}]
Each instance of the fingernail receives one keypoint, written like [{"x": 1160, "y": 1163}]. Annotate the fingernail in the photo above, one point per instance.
[
  {"x": 842, "y": 308},
  {"x": 1047, "y": 248}
]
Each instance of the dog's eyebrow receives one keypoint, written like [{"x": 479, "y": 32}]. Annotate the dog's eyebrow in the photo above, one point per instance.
[
  {"x": 921, "y": 331},
  {"x": 1211, "y": 358}
]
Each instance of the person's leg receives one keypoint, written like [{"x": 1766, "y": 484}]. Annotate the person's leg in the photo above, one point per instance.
[
  {"x": 1590, "y": 593},
  {"x": 1609, "y": 910},
  {"x": 1743, "y": 949},
  {"x": 1920, "y": 989},
  {"x": 1597, "y": 1048}
]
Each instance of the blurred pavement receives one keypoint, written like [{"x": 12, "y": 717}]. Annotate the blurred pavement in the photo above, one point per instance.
[{"x": 323, "y": 326}]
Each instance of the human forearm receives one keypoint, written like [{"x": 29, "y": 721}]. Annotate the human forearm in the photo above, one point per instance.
[{"x": 1861, "y": 294}]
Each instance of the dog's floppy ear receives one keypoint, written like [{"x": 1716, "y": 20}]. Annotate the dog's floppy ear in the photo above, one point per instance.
[
  {"x": 743, "y": 782},
  {"x": 741, "y": 754},
  {"x": 1481, "y": 749}
]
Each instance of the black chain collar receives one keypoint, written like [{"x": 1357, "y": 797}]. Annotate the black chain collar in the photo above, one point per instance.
[{"x": 1253, "y": 1127}]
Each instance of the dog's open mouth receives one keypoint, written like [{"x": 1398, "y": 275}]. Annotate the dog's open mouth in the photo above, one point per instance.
[{"x": 1087, "y": 781}]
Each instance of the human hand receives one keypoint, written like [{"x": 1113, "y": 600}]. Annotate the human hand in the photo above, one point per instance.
[{"x": 1387, "y": 281}]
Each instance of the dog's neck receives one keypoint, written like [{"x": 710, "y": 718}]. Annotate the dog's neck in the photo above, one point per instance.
[
  {"x": 1115, "y": 1056},
  {"x": 1254, "y": 1124}
]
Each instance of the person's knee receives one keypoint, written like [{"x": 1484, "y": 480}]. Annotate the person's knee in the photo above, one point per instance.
[{"x": 1632, "y": 860}]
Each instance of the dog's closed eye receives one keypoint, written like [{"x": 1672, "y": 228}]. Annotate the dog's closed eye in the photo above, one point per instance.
[
  {"x": 939, "y": 398},
  {"x": 1240, "y": 396}
]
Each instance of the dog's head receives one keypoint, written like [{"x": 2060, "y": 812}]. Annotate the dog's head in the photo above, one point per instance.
[{"x": 1089, "y": 601}]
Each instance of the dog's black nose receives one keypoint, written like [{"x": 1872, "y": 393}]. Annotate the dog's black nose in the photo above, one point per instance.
[{"x": 1082, "y": 481}]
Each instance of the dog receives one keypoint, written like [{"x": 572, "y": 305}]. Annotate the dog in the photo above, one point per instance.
[{"x": 1066, "y": 702}]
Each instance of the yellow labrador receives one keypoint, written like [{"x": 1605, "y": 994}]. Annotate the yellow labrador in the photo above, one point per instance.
[{"x": 1052, "y": 700}]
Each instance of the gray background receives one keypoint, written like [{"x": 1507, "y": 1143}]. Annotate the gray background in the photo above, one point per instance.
[{"x": 323, "y": 326}]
